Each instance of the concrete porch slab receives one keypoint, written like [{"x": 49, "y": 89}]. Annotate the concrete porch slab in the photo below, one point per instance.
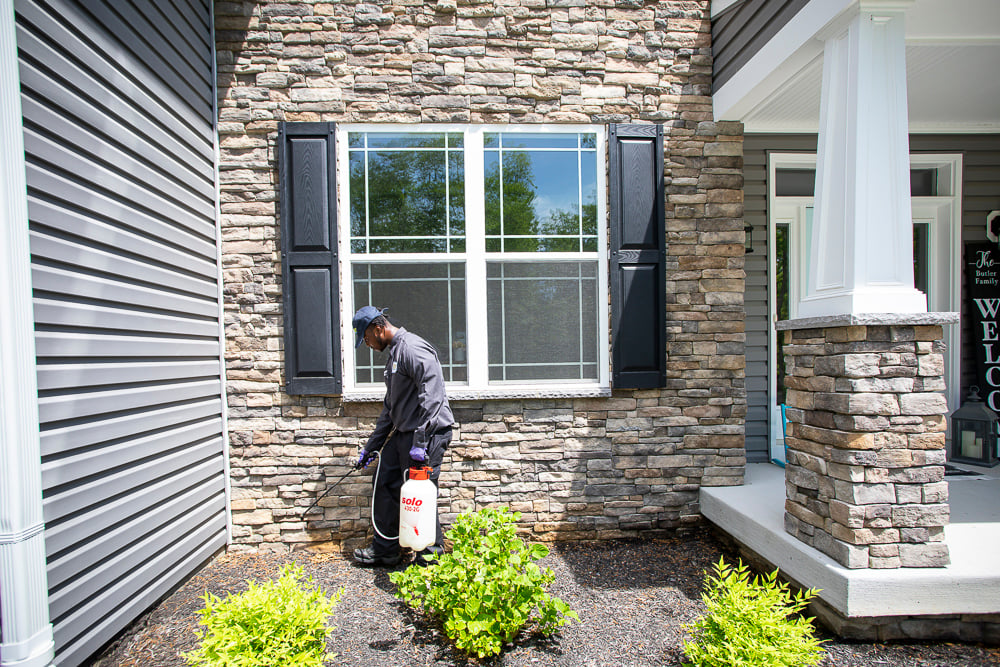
[{"x": 753, "y": 514}]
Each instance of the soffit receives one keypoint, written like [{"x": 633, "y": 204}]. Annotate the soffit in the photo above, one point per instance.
[{"x": 952, "y": 61}]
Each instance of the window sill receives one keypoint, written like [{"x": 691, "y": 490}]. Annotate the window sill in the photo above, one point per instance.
[{"x": 496, "y": 394}]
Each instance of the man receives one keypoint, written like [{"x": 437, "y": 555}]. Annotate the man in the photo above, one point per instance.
[{"x": 413, "y": 429}]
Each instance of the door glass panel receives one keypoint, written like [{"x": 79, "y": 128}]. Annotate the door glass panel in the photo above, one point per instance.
[
  {"x": 921, "y": 257},
  {"x": 781, "y": 274}
]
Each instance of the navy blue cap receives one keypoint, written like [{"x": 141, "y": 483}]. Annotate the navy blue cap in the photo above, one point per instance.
[{"x": 362, "y": 319}]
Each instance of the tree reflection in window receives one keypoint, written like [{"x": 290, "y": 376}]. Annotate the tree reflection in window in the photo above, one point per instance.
[
  {"x": 541, "y": 192},
  {"x": 407, "y": 192}
]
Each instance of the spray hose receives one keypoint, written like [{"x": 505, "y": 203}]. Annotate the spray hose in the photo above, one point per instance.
[
  {"x": 374, "y": 487},
  {"x": 378, "y": 468}
]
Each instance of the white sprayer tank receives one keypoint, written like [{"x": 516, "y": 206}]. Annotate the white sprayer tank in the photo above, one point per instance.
[{"x": 418, "y": 510}]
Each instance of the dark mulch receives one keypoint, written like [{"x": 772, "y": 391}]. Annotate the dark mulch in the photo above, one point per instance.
[{"x": 632, "y": 598}]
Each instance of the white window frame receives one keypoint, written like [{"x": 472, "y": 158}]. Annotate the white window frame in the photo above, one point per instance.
[
  {"x": 942, "y": 212},
  {"x": 475, "y": 258}
]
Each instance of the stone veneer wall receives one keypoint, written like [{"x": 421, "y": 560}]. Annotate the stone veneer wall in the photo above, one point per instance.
[
  {"x": 576, "y": 467},
  {"x": 866, "y": 444}
]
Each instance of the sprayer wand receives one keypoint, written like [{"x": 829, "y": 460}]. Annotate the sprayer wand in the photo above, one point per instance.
[
  {"x": 349, "y": 473},
  {"x": 329, "y": 489}
]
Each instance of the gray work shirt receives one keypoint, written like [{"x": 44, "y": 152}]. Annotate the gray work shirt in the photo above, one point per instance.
[{"x": 415, "y": 399}]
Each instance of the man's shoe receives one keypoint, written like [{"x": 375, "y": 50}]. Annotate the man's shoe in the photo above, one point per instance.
[{"x": 367, "y": 556}]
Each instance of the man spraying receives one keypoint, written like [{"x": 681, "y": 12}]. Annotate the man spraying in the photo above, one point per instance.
[{"x": 414, "y": 429}]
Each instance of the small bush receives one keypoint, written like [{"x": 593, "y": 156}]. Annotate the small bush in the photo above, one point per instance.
[
  {"x": 488, "y": 588},
  {"x": 751, "y": 622},
  {"x": 275, "y": 624}
]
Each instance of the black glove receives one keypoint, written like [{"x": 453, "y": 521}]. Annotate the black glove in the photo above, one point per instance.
[{"x": 364, "y": 459}]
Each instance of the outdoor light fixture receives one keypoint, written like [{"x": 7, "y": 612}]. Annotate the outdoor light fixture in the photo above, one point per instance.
[
  {"x": 748, "y": 241},
  {"x": 974, "y": 432}
]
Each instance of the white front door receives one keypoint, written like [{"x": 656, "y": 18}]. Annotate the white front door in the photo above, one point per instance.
[{"x": 936, "y": 258}]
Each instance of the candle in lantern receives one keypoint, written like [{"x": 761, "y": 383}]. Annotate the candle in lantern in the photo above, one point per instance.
[{"x": 968, "y": 443}]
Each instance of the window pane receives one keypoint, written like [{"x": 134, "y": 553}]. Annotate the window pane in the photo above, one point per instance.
[
  {"x": 791, "y": 182},
  {"x": 428, "y": 299},
  {"x": 539, "y": 140},
  {"x": 923, "y": 182},
  {"x": 407, "y": 191},
  {"x": 542, "y": 321},
  {"x": 405, "y": 139},
  {"x": 794, "y": 182},
  {"x": 541, "y": 192}
]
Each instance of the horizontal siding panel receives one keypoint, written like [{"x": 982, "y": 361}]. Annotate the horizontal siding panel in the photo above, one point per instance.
[
  {"x": 154, "y": 581},
  {"x": 76, "y": 467},
  {"x": 85, "y": 287},
  {"x": 99, "y": 547},
  {"x": 126, "y": 480},
  {"x": 77, "y": 436},
  {"x": 195, "y": 22},
  {"x": 139, "y": 160},
  {"x": 164, "y": 18},
  {"x": 42, "y": 150},
  {"x": 117, "y": 103},
  {"x": 146, "y": 105},
  {"x": 755, "y": 150},
  {"x": 63, "y": 90},
  {"x": 107, "y": 223},
  {"x": 89, "y": 404},
  {"x": 65, "y": 376},
  {"x": 69, "y": 314},
  {"x": 79, "y": 526},
  {"x": 155, "y": 84},
  {"x": 77, "y": 592},
  {"x": 189, "y": 86},
  {"x": 117, "y": 591},
  {"x": 740, "y": 32},
  {"x": 63, "y": 345}
]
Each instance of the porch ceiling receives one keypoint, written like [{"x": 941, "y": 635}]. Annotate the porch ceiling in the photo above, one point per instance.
[{"x": 952, "y": 60}]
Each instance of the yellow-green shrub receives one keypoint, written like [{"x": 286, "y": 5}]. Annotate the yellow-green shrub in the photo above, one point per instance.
[
  {"x": 751, "y": 623},
  {"x": 275, "y": 624}
]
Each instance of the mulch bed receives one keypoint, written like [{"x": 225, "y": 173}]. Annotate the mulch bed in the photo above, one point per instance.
[{"x": 632, "y": 597}]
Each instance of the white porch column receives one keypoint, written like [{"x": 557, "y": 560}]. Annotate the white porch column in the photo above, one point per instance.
[
  {"x": 26, "y": 639},
  {"x": 861, "y": 258}
]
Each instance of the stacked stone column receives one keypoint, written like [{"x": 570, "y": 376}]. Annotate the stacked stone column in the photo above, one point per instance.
[{"x": 866, "y": 439}]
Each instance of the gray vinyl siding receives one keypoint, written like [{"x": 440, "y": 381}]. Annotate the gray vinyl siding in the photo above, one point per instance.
[
  {"x": 740, "y": 32},
  {"x": 118, "y": 121},
  {"x": 755, "y": 150},
  {"x": 980, "y": 195}
]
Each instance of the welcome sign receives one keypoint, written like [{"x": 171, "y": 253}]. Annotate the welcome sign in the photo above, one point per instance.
[{"x": 982, "y": 264}]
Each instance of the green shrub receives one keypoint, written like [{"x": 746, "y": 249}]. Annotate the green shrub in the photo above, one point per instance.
[
  {"x": 488, "y": 588},
  {"x": 274, "y": 624},
  {"x": 751, "y": 622}
]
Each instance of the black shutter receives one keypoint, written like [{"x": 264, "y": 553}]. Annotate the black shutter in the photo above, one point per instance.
[
  {"x": 310, "y": 278},
  {"x": 638, "y": 257}
]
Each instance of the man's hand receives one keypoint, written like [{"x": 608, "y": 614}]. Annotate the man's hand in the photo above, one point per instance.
[
  {"x": 418, "y": 453},
  {"x": 364, "y": 459}
]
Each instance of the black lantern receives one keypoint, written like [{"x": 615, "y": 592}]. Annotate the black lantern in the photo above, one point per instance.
[
  {"x": 747, "y": 238},
  {"x": 974, "y": 432}
]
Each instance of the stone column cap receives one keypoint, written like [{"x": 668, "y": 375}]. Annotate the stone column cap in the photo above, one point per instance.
[{"x": 870, "y": 319}]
